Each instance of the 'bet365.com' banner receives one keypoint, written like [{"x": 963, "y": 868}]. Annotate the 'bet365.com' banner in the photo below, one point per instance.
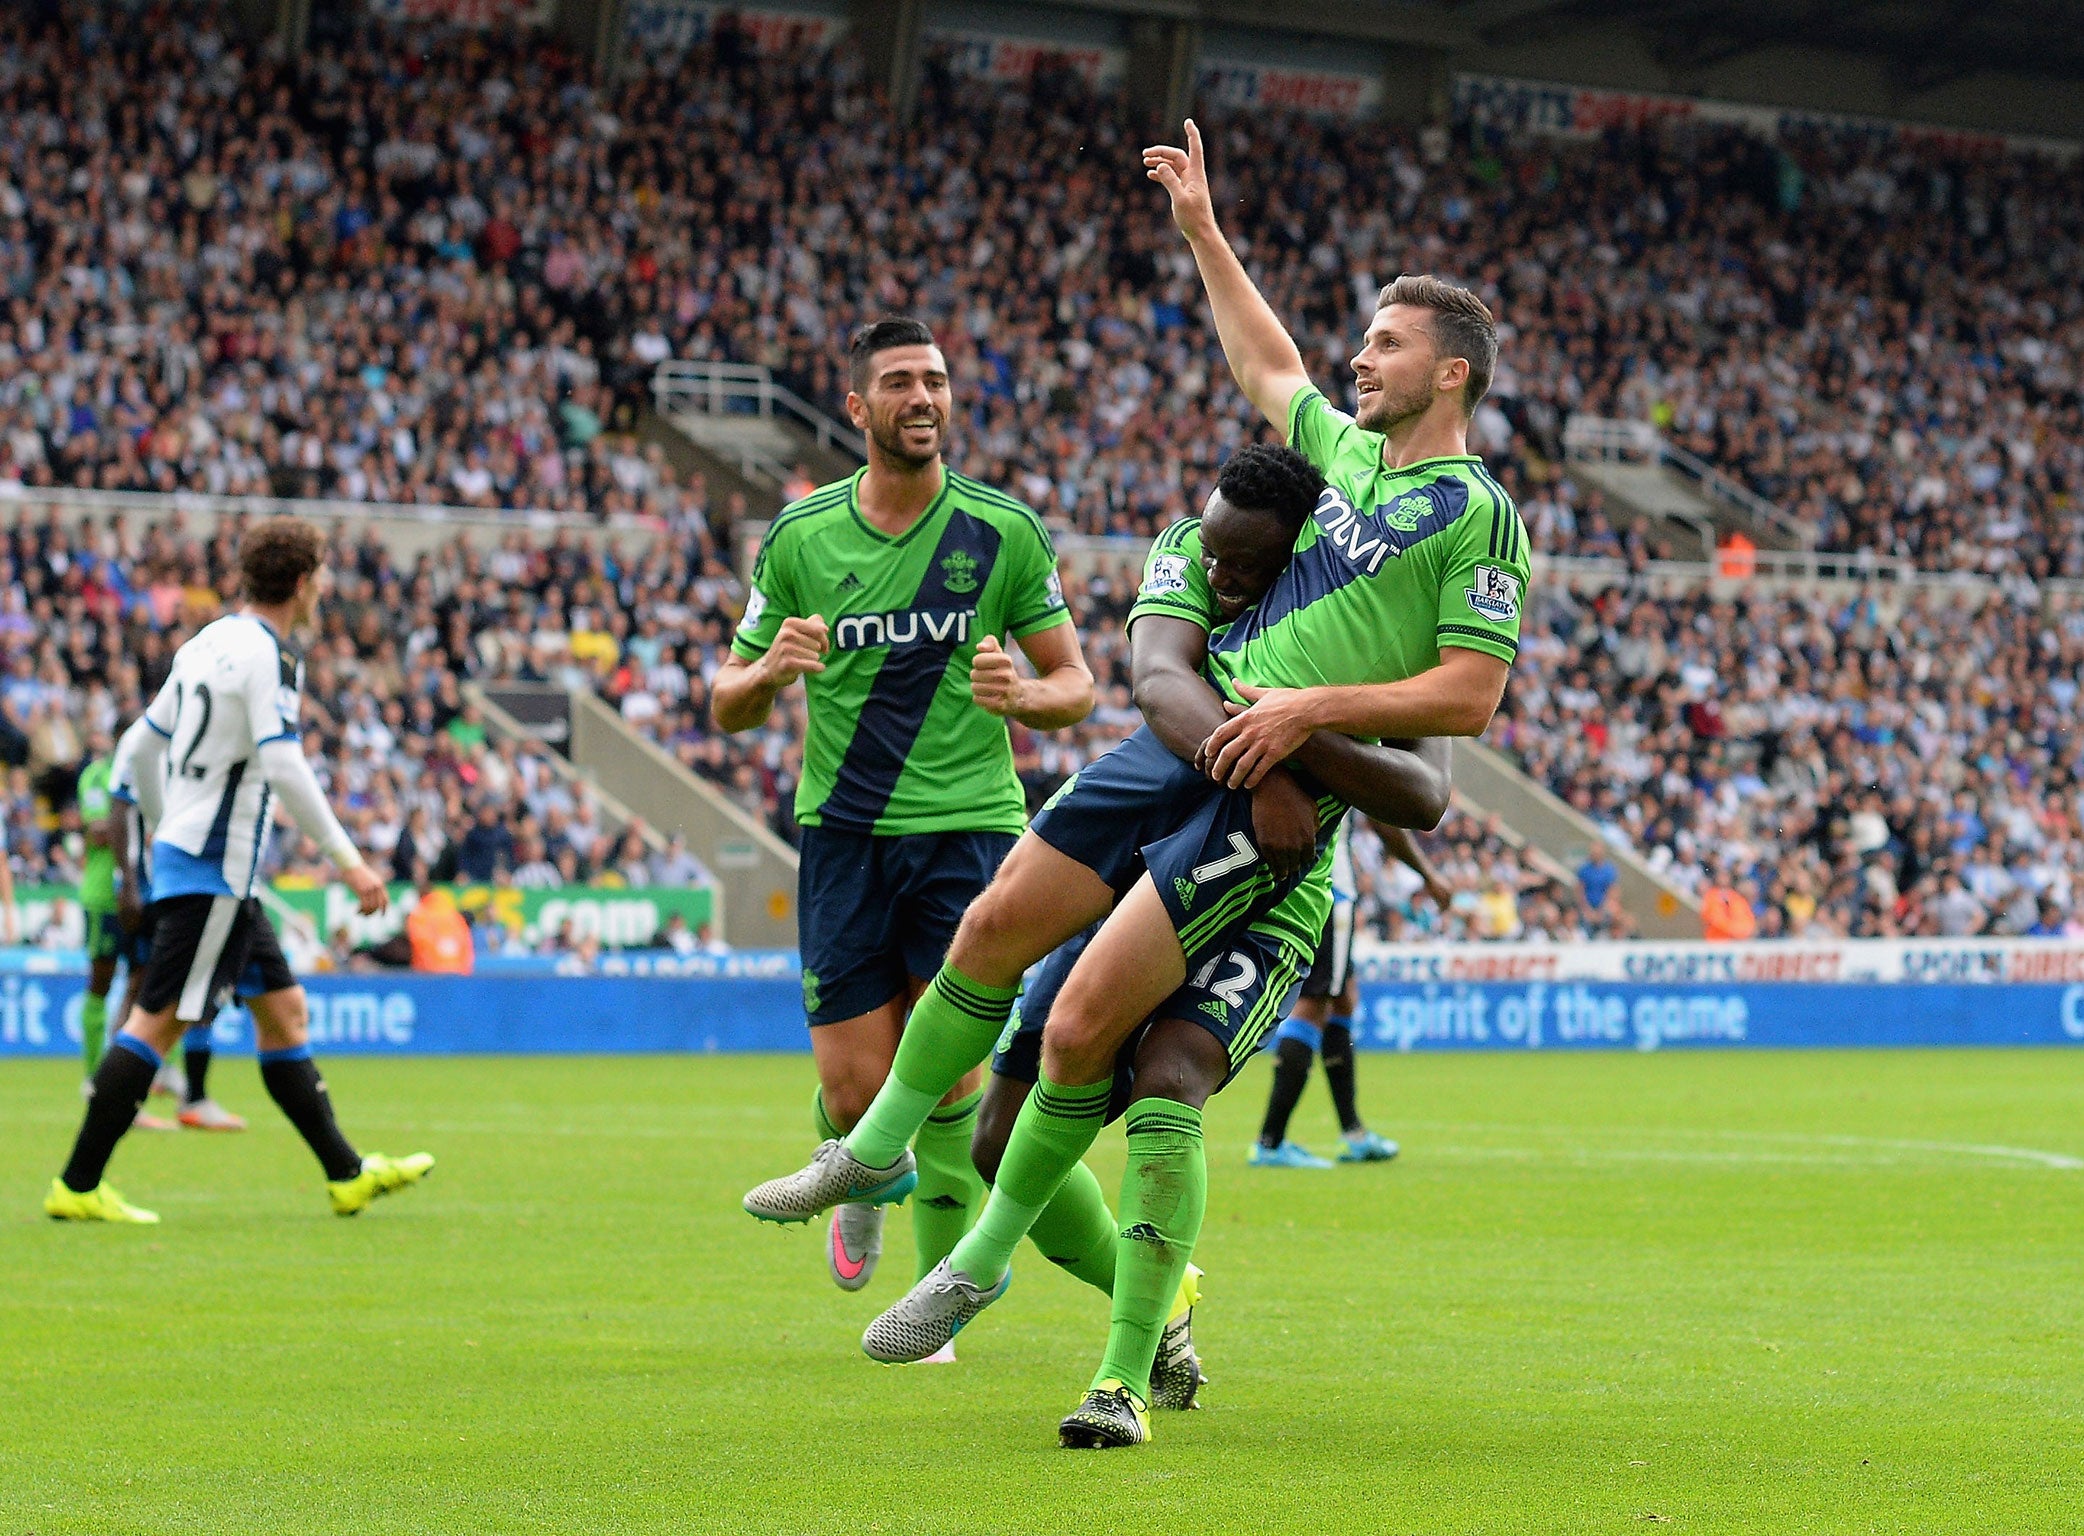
[{"x": 615, "y": 917}]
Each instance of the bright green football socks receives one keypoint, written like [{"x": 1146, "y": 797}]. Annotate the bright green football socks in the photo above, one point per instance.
[
  {"x": 953, "y": 1026},
  {"x": 1055, "y": 1128},
  {"x": 1164, "y": 1195},
  {"x": 94, "y": 1024},
  {"x": 827, "y": 1131},
  {"x": 950, "y": 1188},
  {"x": 1075, "y": 1231}
]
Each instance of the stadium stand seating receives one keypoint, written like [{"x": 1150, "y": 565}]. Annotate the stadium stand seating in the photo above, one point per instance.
[{"x": 440, "y": 268}]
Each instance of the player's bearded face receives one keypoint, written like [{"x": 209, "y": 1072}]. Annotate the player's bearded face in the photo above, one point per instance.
[
  {"x": 1393, "y": 373},
  {"x": 911, "y": 431},
  {"x": 906, "y": 405}
]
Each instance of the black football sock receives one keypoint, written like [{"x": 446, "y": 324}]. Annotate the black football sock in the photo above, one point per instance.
[
  {"x": 1291, "y": 1075},
  {"x": 1338, "y": 1072},
  {"x": 195, "y": 1061},
  {"x": 121, "y": 1083},
  {"x": 299, "y": 1092}
]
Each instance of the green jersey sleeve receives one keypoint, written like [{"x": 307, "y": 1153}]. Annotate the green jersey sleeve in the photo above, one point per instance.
[
  {"x": 1035, "y": 596},
  {"x": 772, "y": 597},
  {"x": 1328, "y": 438},
  {"x": 1175, "y": 583},
  {"x": 94, "y": 792},
  {"x": 1483, "y": 580}
]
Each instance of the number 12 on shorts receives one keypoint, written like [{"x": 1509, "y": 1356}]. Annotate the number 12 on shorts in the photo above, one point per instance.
[{"x": 1231, "y": 988}]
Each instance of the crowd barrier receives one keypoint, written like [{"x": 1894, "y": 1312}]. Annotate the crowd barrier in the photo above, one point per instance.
[{"x": 1639, "y": 997}]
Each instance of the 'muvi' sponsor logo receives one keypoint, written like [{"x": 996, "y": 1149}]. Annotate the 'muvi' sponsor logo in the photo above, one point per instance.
[{"x": 905, "y": 626}]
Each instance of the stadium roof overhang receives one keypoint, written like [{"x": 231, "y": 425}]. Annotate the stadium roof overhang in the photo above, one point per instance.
[{"x": 1927, "y": 42}]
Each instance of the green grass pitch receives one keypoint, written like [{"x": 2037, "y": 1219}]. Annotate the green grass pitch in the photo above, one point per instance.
[{"x": 1728, "y": 1292}]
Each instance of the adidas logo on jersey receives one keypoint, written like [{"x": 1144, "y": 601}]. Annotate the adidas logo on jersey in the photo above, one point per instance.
[
  {"x": 906, "y": 626},
  {"x": 851, "y": 583}
]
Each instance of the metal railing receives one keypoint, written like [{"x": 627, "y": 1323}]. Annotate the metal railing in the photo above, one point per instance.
[
  {"x": 158, "y": 504},
  {"x": 746, "y": 389},
  {"x": 1598, "y": 439}
]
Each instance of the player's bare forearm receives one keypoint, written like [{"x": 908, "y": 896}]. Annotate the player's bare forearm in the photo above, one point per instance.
[
  {"x": 1179, "y": 705},
  {"x": 97, "y": 834},
  {"x": 1060, "y": 693},
  {"x": 742, "y": 696},
  {"x": 1403, "y": 847},
  {"x": 1262, "y": 356},
  {"x": 1401, "y": 784},
  {"x": 1059, "y": 698},
  {"x": 1445, "y": 701}
]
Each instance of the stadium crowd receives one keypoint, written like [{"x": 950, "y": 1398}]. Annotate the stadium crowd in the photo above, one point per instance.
[
  {"x": 1849, "y": 767},
  {"x": 440, "y": 267},
  {"x": 434, "y": 265}
]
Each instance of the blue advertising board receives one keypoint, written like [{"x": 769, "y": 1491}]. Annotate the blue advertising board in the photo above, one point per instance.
[{"x": 737, "y": 1006}]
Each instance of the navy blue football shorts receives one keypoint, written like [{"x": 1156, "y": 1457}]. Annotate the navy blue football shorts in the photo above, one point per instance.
[
  {"x": 875, "y": 912},
  {"x": 1139, "y": 809},
  {"x": 1239, "y": 995}
]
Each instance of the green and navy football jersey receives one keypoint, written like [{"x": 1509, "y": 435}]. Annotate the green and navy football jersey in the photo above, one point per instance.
[
  {"x": 895, "y": 745},
  {"x": 1394, "y": 566},
  {"x": 98, "y": 870}
]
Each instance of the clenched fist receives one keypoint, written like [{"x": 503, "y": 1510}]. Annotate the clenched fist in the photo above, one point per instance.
[
  {"x": 799, "y": 648},
  {"x": 994, "y": 684}
]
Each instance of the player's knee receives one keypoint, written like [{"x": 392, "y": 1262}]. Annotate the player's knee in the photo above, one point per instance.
[
  {"x": 281, "y": 1020},
  {"x": 847, "y": 1100},
  {"x": 1074, "y": 1043},
  {"x": 989, "y": 936},
  {"x": 987, "y": 1147}
]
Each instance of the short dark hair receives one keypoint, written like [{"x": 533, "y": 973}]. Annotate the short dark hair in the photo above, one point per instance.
[
  {"x": 880, "y": 336},
  {"x": 275, "y": 555},
  {"x": 1462, "y": 327},
  {"x": 1279, "y": 481}
]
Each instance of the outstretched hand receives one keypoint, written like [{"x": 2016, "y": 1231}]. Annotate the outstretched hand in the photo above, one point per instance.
[
  {"x": 1255, "y": 739},
  {"x": 1184, "y": 175}
]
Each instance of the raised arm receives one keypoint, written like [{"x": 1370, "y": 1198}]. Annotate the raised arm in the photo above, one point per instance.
[{"x": 1263, "y": 357}]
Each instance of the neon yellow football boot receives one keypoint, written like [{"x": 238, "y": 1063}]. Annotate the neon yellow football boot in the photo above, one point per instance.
[
  {"x": 379, "y": 1176},
  {"x": 101, "y": 1203},
  {"x": 1112, "y": 1416}
]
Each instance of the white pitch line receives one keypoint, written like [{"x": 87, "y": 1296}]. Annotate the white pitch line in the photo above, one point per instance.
[{"x": 2061, "y": 1161}]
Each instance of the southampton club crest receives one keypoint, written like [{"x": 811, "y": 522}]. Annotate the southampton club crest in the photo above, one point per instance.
[
  {"x": 1405, "y": 515},
  {"x": 1496, "y": 594},
  {"x": 959, "y": 572}
]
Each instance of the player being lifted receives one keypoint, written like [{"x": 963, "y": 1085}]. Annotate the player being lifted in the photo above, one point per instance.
[
  {"x": 1397, "y": 618},
  {"x": 222, "y": 744},
  {"x": 887, "y": 593},
  {"x": 1244, "y": 538}
]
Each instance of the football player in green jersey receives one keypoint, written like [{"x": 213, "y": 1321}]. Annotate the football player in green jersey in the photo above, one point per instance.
[
  {"x": 888, "y": 593},
  {"x": 97, "y": 898},
  {"x": 1396, "y": 619}
]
